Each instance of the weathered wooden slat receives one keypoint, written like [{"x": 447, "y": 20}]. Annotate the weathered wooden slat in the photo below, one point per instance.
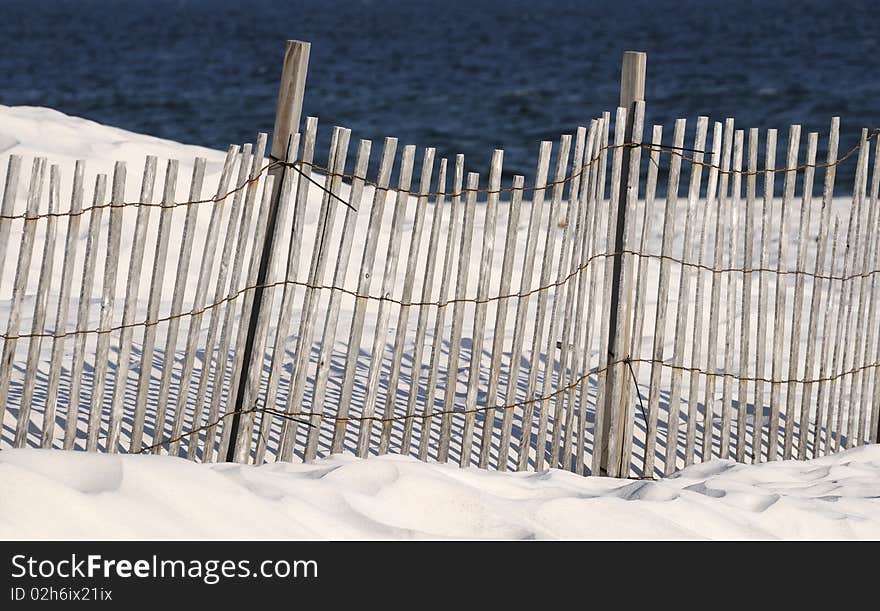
[
  {"x": 108, "y": 300},
  {"x": 424, "y": 310},
  {"x": 38, "y": 323},
  {"x": 446, "y": 279},
  {"x": 683, "y": 302},
  {"x": 696, "y": 346},
  {"x": 180, "y": 282},
  {"x": 157, "y": 277},
  {"x": 554, "y": 309},
  {"x": 732, "y": 219},
  {"x": 550, "y": 239},
  {"x": 328, "y": 340},
  {"x": 833, "y": 306},
  {"x": 70, "y": 247},
  {"x": 135, "y": 265},
  {"x": 7, "y": 207},
  {"x": 392, "y": 257},
  {"x": 365, "y": 278},
  {"x": 870, "y": 374},
  {"x": 22, "y": 270},
  {"x": 522, "y": 306},
  {"x": 465, "y": 245},
  {"x": 763, "y": 247},
  {"x": 83, "y": 308},
  {"x": 194, "y": 330},
  {"x": 662, "y": 297},
  {"x": 202, "y": 409},
  {"x": 794, "y": 363},
  {"x": 779, "y": 314},
  {"x": 400, "y": 333},
  {"x": 479, "y": 328},
  {"x": 235, "y": 288}
]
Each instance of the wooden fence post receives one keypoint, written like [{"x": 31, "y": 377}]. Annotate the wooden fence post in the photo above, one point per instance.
[
  {"x": 287, "y": 118},
  {"x": 632, "y": 90}
]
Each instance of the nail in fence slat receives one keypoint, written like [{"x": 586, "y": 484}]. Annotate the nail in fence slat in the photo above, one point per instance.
[
  {"x": 389, "y": 276},
  {"x": 55, "y": 364},
  {"x": 183, "y": 260},
  {"x": 365, "y": 277},
  {"x": 732, "y": 219},
  {"x": 721, "y": 203},
  {"x": 424, "y": 310},
  {"x": 683, "y": 302},
  {"x": 199, "y": 299},
  {"x": 10, "y": 190},
  {"x": 554, "y": 309},
  {"x": 449, "y": 391},
  {"x": 442, "y": 300},
  {"x": 328, "y": 340},
  {"x": 824, "y": 365},
  {"x": 108, "y": 294},
  {"x": 541, "y": 313},
  {"x": 235, "y": 285},
  {"x": 38, "y": 324},
  {"x": 662, "y": 297},
  {"x": 83, "y": 308},
  {"x": 763, "y": 247},
  {"x": 794, "y": 136},
  {"x": 479, "y": 329},
  {"x": 522, "y": 306},
  {"x": 560, "y": 442},
  {"x": 153, "y": 301},
  {"x": 208, "y": 363},
  {"x": 135, "y": 266},
  {"x": 406, "y": 296},
  {"x": 794, "y": 355},
  {"x": 696, "y": 347},
  {"x": 19, "y": 287}
]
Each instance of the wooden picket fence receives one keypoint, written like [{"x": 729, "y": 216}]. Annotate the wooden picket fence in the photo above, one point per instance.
[{"x": 593, "y": 319}]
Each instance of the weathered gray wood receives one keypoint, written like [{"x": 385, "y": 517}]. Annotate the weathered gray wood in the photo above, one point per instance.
[
  {"x": 25, "y": 252},
  {"x": 479, "y": 328},
  {"x": 734, "y": 232},
  {"x": 38, "y": 323},
  {"x": 201, "y": 294},
  {"x": 290, "y": 95},
  {"x": 71, "y": 242},
  {"x": 183, "y": 260},
  {"x": 442, "y": 305},
  {"x": 779, "y": 310},
  {"x": 235, "y": 286},
  {"x": 422, "y": 323},
  {"x": 662, "y": 297},
  {"x": 413, "y": 257},
  {"x": 108, "y": 299},
  {"x": 392, "y": 257},
  {"x": 763, "y": 247},
  {"x": 365, "y": 278},
  {"x": 827, "y": 340},
  {"x": 156, "y": 281},
  {"x": 135, "y": 265},
  {"x": 465, "y": 245},
  {"x": 712, "y": 204},
  {"x": 83, "y": 307},
  {"x": 549, "y": 344},
  {"x": 818, "y": 291},
  {"x": 683, "y": 302},
  {"x": 794, "y": 364},
  {"x": 328, "y": 340},
  {"x": 871, "y": 374},
  {"x": 202, "y": 406},
  {"x": 7, "y": 207},
  {"x": 745, "y": 327}
]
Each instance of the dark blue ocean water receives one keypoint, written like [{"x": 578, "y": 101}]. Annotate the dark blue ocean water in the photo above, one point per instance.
[{"x": 464, "y": 76}]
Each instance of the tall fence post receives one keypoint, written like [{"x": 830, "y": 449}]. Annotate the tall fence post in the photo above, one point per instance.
[
  {"x": 287, "y": 117},
  {"x": 632, "y": 90}
]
